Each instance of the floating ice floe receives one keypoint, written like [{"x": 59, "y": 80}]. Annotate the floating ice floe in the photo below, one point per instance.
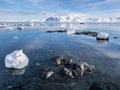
[
  {"x": 32, "y": 24},
  {"x": 70, "y": 32},
  {"x": 103, "y": 36},
  {"x": 15, "y": 37},
  {"x": 17, "y": 59},
  {"x": 20, "y": 27}
]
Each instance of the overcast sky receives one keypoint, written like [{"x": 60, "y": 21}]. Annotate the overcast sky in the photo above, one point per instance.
[{"x": 15, "y": 10}]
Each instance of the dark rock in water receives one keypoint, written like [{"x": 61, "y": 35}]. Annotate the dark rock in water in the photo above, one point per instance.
[
  {"x": 50, "y": 31},
  {"x": 72, "y": 69},
  {"x": 116, "y": 37},
  {"x": 67, "y": 72},
  {"x": 82, "y": 23},
  {"x": 87, "y": 33},
  {"x": 85, "y": 67},
  {"x": 67, "y": 62},
  {"x": 59, "y": 31},
  {"x": 58, "y": 61},
  {"x": 47, "y": 74}
]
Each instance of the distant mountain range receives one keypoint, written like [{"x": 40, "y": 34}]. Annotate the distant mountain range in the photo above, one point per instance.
[{"x": 76, "y": 19}]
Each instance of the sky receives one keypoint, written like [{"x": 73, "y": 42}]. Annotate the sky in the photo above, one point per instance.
[{"x": 22, "y": 10}]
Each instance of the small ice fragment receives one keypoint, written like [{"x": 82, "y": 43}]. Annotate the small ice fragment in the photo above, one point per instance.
[
  {"x": 70, "y": 32},
  {"x": 32, "y": 24},
  {"x": 15, "y": 37},
  {"x": 37, "y": 64},
  {"x": 17, "y": 59}
]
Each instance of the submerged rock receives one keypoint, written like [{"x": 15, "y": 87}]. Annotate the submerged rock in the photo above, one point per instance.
[
  {"x": 67, "y": 72},
  {"x": 72, "y": 69},
  {"x": 17, "y": 59},
  {"x": 103, "y": 36},
  {"x": 77, "y": 69},
  {"x": 116, "y": 37},
  {"x": 67, "y": 62},
  {"x": 85, "y": 67},
  {"x": 49, "y": 74},
  {"x": 58, "y": 61},
  {"x": 46, "y": 72}
]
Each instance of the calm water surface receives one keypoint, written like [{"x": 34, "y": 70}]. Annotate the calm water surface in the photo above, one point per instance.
[{"x": 40, "y": 47}]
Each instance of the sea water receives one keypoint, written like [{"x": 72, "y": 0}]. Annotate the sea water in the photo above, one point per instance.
[{"x": 41, "y": 46}]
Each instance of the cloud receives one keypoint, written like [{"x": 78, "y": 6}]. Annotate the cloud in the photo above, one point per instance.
[{"x": 45, "y": 8}]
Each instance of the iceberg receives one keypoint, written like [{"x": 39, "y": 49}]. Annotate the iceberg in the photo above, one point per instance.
[
  {"x": 103, "y": 36},
  {"x": 70, "y": 32},
  {"x": 17, "y": 59}
]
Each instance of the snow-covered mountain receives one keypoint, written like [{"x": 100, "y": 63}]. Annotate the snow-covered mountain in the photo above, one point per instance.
[
  {"x": 107, "y": 20},
  {"x": 66, "y": 19},
  {"x": 78, "y": 19}
]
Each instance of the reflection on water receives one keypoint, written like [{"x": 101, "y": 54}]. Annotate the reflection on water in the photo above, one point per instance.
[
  {"x": 40, "y": 47},
  {"x": 16, "y": 71},
  {"x": 102, "y": 41}
]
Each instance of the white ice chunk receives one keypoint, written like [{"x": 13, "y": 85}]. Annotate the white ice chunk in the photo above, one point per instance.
[
  {"x": 32, "y": 24},
  {"x": 15, "y": 37},
  {"x": 17, "y": 59},
  {"x": 70, "y": 32},
  {"x": 103, "y": 35}
]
